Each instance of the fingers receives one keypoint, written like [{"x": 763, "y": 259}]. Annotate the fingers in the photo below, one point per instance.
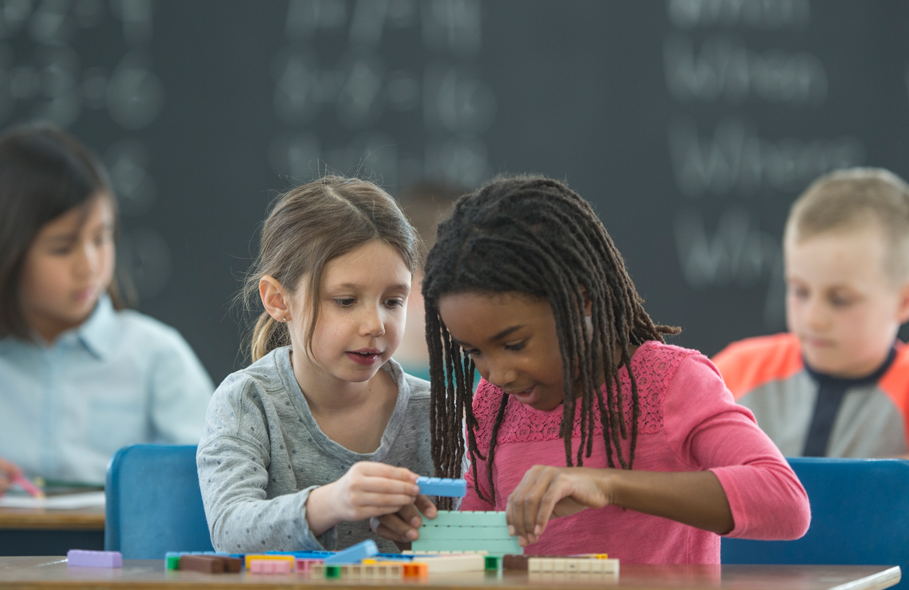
[
  {"x": 426, "y": 507},
  {"x": 374, "y": 489},
  {"x": 394, "y": 528},
  {"x": 531, "y": 504},
  {"x": 383, "y": 479}
]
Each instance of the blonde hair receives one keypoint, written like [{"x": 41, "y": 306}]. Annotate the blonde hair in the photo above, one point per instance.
[
  {"x": 307, "y": 227},
  {"x": 851, "y": 199}
]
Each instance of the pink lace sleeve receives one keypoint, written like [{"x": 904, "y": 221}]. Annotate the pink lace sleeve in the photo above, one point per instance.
[{"x": 707, "y": 429}]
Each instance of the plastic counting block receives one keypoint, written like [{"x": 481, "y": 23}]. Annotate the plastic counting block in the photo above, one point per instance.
[
  {"x": 270, "y": 566},
  {"x": 443, "y": 564},
  {"x": 415, "y": 569},
  {"x": 437, "y": 486},
  {"x": 579, "y": 565},
  {"x": 332, "y": 571},
  {"x": 80, "y": 558},
  {"x": 172, "y": 560},
  {"x": 493, "y": 562},
  {"x": 303, "y": 565},
  {"x": 514, "y": 562},
  {"x": 269, "y": 556},
  {"x": 354, "y": 554},
  {"x": 477, "y": 518},
  {"x": 210, "y": 564}
]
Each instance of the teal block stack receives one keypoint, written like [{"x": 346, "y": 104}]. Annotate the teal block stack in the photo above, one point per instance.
[{"x": 467, "y": 531}]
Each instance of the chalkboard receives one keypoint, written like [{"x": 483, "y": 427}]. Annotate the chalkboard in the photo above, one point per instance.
[{"x": 689, "y": 124}]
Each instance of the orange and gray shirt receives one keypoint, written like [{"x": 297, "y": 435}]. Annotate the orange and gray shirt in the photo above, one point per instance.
[{"x": 807, "y": 413}]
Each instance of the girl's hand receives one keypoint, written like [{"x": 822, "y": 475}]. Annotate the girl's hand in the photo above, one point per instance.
[
  {"x": 403, "y": 525},
  {"x": 367, "y": 489},
  {"x": 546, "y": 492},
  {"x": 7, "y": 472}
]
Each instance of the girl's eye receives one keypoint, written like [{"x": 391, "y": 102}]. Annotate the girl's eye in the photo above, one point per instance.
[
  {"x": 345, "y": 302},
  {"x": 516, "y": 346},
  {"x": 471, "y": 352},
  {"x": 394, "y": 303}
]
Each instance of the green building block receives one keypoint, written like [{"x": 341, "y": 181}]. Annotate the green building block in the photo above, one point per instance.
[
  {"x": 493, "y": 562},
  {"x": 463, "y": 533},
  {"x": 172, "y": 562},
  {"x": 332, "y": 571},
  {"x": 493, "y": 547},
  {"x": 468, "y": 518}
]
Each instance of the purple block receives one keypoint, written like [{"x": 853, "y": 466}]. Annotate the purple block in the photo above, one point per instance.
[{"x": 80, "y": 558}]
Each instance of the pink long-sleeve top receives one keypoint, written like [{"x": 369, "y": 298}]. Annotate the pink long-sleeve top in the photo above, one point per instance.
[{"x": 688, "y": 422}]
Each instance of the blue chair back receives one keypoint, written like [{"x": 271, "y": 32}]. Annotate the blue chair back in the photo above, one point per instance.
[
  {"x": 154, "y": 504},
  {"x": 859, "y": 516}
]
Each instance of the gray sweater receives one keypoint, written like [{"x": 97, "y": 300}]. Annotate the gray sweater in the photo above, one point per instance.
[{"x": 262, "y": 453}]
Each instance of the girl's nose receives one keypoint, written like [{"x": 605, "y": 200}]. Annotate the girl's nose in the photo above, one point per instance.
[
  {"x": 500, "y": 374},
  {"x": 87, "y": 257},
  {"x": 372, "y": 323}
]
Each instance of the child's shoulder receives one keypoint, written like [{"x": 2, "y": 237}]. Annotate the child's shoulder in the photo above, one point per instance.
[
  {"x": 265, "y": 377},
  {"x": 145, "y": 330},
  {"x": 747, "y": 364}
]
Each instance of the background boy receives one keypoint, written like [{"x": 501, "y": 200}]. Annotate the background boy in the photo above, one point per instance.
[{"x": 837, "y": 384}]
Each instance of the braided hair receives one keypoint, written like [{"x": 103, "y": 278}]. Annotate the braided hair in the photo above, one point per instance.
[{"x": 537, "y": 237}]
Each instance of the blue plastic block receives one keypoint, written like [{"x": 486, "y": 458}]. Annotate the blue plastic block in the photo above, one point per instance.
[
  {"x": 354, "y": 554},
  {"x": 437, "y": 486}
]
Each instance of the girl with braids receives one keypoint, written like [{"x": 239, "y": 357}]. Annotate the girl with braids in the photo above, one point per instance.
[
  {"x": 324, "y": 430},
  {"x": 637, "y": 447}
]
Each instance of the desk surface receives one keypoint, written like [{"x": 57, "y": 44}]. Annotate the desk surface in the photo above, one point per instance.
[
  {"x": 43, "y": 573},
  {"x": 81, "y": 519}
]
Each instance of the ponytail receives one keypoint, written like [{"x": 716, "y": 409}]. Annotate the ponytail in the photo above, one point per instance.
[{"x": 267, "y": 335}]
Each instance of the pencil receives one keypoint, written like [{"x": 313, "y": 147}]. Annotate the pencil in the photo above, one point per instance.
[{"x": 28, "y": 486}]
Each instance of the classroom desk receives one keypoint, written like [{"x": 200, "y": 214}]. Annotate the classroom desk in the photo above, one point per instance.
[
  {"x": 44, "y": 573},
  {"x": 37, "y": 531}
]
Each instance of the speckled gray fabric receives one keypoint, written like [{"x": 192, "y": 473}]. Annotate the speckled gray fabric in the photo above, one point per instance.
[{"x": 262, "y": 452}]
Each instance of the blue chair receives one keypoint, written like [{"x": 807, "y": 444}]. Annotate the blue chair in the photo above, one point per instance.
[
  {"x": 154, "y": 504},
  {"x": 859, "y": 516}
]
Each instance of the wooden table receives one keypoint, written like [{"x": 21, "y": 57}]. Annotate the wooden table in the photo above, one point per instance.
[
  {"x": 38, "y": 531},
  {"x": 45, "y": 573}
]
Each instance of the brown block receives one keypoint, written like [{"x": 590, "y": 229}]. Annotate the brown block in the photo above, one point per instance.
[
  {"x": 514, "y": 562},
  {"x": 209, "y": 564},
  {"x": 232, "y": 565}
]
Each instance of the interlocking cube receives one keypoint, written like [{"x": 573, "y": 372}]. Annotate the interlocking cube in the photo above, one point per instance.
[
  {"x": 354, "y": 554},
  {"x": 467, "y": 531},
  {"x": 270, "y": 566},
  {"x": 81, "y": 558},
  {"x": 438, "y": 486},
  {"x": 578, "y": 565}
]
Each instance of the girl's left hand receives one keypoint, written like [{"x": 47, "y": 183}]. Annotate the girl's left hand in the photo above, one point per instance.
[
  {"x": 546, "y": 492},
  {"x": 403, "y": 526}
]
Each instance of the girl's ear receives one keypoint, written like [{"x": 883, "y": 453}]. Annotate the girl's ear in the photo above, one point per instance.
[{"x": 274, "y": 298}]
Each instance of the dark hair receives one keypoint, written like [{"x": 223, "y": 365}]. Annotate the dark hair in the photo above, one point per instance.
[
  {"x": 44, "y": 173},
  {"x": 535, "y": 236},
  {"x": 311, "y": 225}
]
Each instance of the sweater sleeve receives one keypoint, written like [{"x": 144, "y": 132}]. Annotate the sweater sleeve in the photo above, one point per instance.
[
  {"x": 232, "y": 460},
  {"x": 707, "y": 429}
]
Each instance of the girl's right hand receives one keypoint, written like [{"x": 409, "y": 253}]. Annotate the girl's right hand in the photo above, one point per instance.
[
  {"x": 8, "y": 471},
  {"x": 367, "y": 489}
]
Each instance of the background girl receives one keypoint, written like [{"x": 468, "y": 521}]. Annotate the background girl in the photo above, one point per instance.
[
  {"x": 324, "y": 430},
  {"x": 523, "y": 282},
  {"x": 81, "y": 377}
]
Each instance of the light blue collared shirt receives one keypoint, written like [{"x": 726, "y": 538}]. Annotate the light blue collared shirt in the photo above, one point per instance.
[{"x": 119, "y": 378}]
